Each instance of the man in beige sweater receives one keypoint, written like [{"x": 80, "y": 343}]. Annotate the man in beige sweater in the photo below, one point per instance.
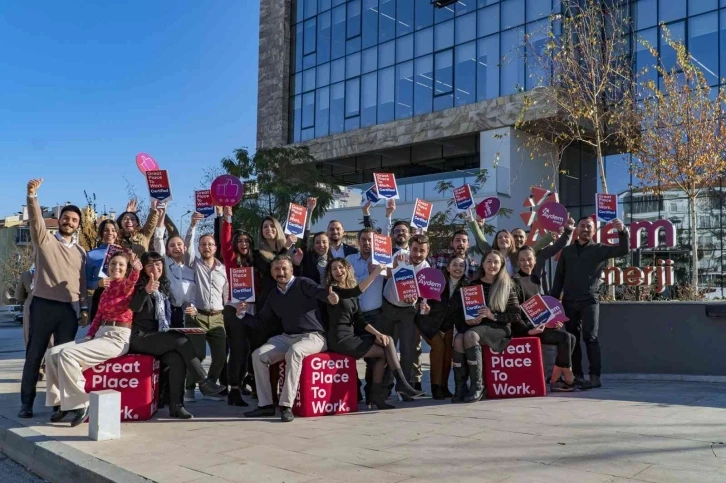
[{"x": 59, "y": 293}]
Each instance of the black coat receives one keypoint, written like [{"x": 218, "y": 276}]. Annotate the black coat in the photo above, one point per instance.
[{"x": 445, "y": 314}]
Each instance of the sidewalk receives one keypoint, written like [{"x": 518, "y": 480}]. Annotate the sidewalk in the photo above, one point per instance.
[{"x": 624, "y": 432}]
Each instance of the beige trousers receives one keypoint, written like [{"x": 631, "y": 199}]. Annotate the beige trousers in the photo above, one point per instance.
[
  {"x": 64, "y": 366},
  {"x": 292, "y": 348}
]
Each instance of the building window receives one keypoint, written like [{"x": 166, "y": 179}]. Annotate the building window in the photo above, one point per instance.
[
  {"x": 337, "y": 108},
  {"x": 487, "y": 68},
  {"x": 387, "y": 20},
  {"x": 338, "y": 38},
  {"x": 322, "y": 111},
  {"x": 368, "y": 99},
  {"x": 424, "y": 41},
  {"x": 423, "y": 84},
  {"x": 370, "y": 23},
  {"x": 465, "y": 76},
  {"x": 386, "y": 95},
  {"x": 404, "y": 90}
]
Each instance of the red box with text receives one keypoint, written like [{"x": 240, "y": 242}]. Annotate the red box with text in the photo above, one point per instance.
[
  {"x": 328, "y": 385},
  {"x": 136, "y": 377},
  {"x": 517, "y": 371}
]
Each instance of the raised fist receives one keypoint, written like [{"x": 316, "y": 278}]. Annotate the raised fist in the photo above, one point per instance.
[{"x": 33, "y": 186}]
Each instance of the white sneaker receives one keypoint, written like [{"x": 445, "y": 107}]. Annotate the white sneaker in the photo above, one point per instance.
[{"x": 189, "y": 395}]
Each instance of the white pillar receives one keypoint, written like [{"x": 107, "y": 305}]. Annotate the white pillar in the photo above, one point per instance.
[{"x": 104, "y": 415}]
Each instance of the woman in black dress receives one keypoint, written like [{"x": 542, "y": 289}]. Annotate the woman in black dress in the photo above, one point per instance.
[
  {"x": 152, "y": 316},
  {"x": 346, "y": 316},
  {"x": 493, "y": 326}
]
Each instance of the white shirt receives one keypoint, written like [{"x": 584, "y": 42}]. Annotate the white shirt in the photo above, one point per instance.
[
  {"x": 181, "y": 277},
  {"x": 390, "y": 291},
  {"x": 372, "y": 298},
  {"x": 338, "y": 253}
]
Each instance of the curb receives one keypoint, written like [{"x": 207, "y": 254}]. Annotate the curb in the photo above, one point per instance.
[
  {"x": 664, "y": 377},
  {"x": 55, "y": 461}
]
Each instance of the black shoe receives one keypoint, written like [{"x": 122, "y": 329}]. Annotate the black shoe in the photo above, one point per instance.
[
  {"x": 179, "y": 411},
  {"x": 26, "y": 411},
  {"x": 445, "y": 391},
  {"x": 476, "y": 386},
  {"x": 417, "y": 386},
  {"x": 438, "y": 393},
  {"x": 234, "y": 398},
  {"x": 377, "y": 399},
  {"x": 594, "y": 382},
  {"x": 286, "y": 414},
  {"x": 58, "y": 415},
  {"x": 461, "y": 375},
  {"x": 261, "y": 412},
  {"x": 79, "y": 415},
  {"x": 210, "y": 388},
  {"x": 404, "y": 389}
]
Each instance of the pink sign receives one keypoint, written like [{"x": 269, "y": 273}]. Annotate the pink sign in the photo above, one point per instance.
[
  {"x": 489, "y": 207},
  {"x": 227, "y": 190},
  {"x": 558, "y": 313},
  {"x": 431, "y": 283},
  {"x": 146, "y": 163},
  {"x": 552, "y": 216}
]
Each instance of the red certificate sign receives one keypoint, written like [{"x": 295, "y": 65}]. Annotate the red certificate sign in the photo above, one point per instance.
[
  {"x": 159, "y": 187},
  {"x": 296, "y": 217},
  {"x": 242, "y": 282},
  {"x": 463, "y": 198},
  {"x": 536, "y": 310},
  {"x": 473, "y": 299},
  {"x": 386, "y": 185},
  {"x": 405, "y": 279},
  {"x": 203, "y": 202},
  {"x": 382, "y": 250},
  {"x": 421, "y": 214}
]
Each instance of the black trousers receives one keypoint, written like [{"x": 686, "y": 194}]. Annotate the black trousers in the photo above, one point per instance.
[
  {"x": 239, "y": 346},
  {"x": 565, "y": 343},
  {"x": 584, "y": 321},
  {"x": 47, "y": 318},
  {"x": 177, "y": 317},
  {"x": 176, "y": 352}
]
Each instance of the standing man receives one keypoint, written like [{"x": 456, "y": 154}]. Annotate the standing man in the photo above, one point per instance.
[
  {"x": 59, "y": 294},
  {"x": 294, "y": 306},
  {"x": 578, "y": 280},
  {"x": 520, "y": 237},
  {"x": 210, "y": 296},
  {"x": 338, "y": 249},
  {"x": 459, "y": 247}
]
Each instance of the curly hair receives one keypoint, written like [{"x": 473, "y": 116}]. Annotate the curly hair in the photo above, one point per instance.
[
  {"x": 164, "y": 284},
  {"x": 243, "y": 260},
  {"x": 349, "y": 280}
]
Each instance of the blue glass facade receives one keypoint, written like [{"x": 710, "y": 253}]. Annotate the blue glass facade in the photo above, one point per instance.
[{"x": 357, "y": 63}]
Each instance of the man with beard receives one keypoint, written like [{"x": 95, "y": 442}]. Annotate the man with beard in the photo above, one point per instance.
[
  {"x": 210, "y": 295},
  {"x": 294, "y": 306},
  {"x": 519, "y": 236},
  {"x": 338, "y": 249},
  {"x": 578, "y": 280},
  {"x": 459, "y": 247},
  {"x": 59, "y": 292}
]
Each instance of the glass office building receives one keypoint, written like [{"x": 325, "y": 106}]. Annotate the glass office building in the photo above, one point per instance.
[{"x": 364, "y": 80}]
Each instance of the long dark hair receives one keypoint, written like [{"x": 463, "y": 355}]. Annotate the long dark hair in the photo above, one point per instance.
[
  {"x": 243, "y": 260},
  {"x": 164, "y": 284}
]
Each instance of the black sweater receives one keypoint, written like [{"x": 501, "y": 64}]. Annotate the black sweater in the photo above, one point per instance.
[
  {"x": 445, "y": 314},
  {"x": 506, "y": 319},
  {"x": 538, "y": 272},
  {"x": 578, "y": 271},
  {"x": 142, "y": 305},
  {"x": 296, "y": 310}
]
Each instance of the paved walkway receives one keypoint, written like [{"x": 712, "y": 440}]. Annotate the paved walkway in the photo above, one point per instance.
[{"x": 625, "y": 432}]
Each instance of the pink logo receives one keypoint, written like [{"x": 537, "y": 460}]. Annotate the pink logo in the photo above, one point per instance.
[
  {"x": 552, "y": 215},
  {"x": 227, "y": 190},
  {"x": 431, "y": 283},
  {"x": 489, "y": 207},
  {"x": 146, "y": 163}
]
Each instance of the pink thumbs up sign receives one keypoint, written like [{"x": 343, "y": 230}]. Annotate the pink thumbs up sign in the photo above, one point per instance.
[
  {"x": 146, "y": 163},
  {"x": 227, "y": 190}
]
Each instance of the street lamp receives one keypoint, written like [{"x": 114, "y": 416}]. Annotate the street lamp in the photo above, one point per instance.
[{"x": 181, "y": 222}]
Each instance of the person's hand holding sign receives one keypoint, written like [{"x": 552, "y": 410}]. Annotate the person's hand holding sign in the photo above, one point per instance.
[
  {"x": 190, "y": 310},
  {"x": 487, "y": 313},
  {"x": 290, "y": 240},
  {"x": 618, "y": 225},
  {"x": 297, "y": 257},
  {"x": 241, "y": 309},
  {"x": 196, "y": 218},
  {"x": 228, "y": 212},
  {"x": 537, "y": 330},
  {"x": 390, "y": 207},
  {"x": 153, "y": 284},
  {"x": 312, "y": 203}
]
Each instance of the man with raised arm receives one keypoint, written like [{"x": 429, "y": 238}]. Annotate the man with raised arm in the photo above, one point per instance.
[{"x": 59, "y": 293}]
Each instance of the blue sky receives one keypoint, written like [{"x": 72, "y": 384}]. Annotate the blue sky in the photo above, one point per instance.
[{"x": 84, "y": 86}]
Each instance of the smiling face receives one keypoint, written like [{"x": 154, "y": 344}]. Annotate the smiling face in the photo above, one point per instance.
[
  {"x": 337, "y": 270},
  {"x": 460, "y": 244},
  {"x": 401, "y": 235},
  {"x": 457, "y": 267},
  {"x": 207, "y": 247},
  {"x": 585, "y": 230},
  {"x": 243, "y": 245},
  {"x": 320, "y": 245},
  {"x": 69, "y": 223},
  {"x": 269, "y": 232},
  {"x": 282, "y": 272},
  {"x": 504, "y": 241},
  {"x": 335, "y": 232},
  {"x": 526, "y": 261},
  {"x": 419, "y": 252},
  {"x": 109, "y": 234},
  {"x": 129, "y": 224},
  {"x": 117, "y": 267},
  {"x": 519, "y": 237},
  {"x": 154, "y": 269},
  {"x": 175, "y": 248},
  {"x": 492, "y": 264}
]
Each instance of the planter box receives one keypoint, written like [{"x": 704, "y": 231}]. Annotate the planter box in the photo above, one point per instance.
[{"x": 685, "y": 338}]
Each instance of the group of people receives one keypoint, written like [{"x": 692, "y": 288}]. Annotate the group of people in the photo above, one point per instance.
[{"x": 321, "y": 294}]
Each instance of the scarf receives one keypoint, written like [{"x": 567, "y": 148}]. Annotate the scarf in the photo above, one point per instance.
[{"x": 162, "y": 309}]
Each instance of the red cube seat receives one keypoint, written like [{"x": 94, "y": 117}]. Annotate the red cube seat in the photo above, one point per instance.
[{"x": 517, "y": 371}]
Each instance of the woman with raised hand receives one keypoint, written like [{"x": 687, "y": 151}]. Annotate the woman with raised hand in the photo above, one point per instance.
[
  {"x": 108, "y": 234},
  {"x": 493, "y": 326},
  {"x": 345, "y": 319},
  {"x": 151, "y": 306},
  {"x": 134, "y": 236},
  {"x": 437, "y": 327},
  {"x": 108, "y": 337},
  {"x": 504, "y": 243}
]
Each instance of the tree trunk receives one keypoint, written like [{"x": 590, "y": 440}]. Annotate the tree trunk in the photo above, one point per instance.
[{"x": 694, "y": 243}]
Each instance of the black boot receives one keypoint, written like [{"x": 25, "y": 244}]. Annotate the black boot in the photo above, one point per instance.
[
  {"x": 234, "y": 398},
  {"x": 476, "y": 387},
  {"x": 210, "y": 388},
  {"x": 79, "y": 415},
  {"x": 445, "y": 391},
  {"x": 179, "y": 411},
  {"x": 461, "y": 374},
  {"x": 437, "y": 393},
  {"x": 377, "y": 398},
  {"x": 403, "y": 387}
]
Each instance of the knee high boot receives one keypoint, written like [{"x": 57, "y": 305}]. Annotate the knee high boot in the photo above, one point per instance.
[
  {"x": 461, "y": 373},
  {"x": 474, "y": 361}
]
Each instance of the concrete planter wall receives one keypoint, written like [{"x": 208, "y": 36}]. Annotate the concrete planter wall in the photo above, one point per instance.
[{"x": 685, "y": 338}]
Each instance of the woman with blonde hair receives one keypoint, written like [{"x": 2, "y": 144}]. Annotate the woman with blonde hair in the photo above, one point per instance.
[
  {"x": 345, "y": 319},
  {"x": 492, "y": 328},
  {"x": 504, "y": 243}
]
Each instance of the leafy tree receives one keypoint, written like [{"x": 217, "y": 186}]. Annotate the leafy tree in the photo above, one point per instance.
[{"x": 276, "y": 177}]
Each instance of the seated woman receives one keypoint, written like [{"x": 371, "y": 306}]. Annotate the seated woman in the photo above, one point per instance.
[
  {"x": 438, "y": 327},
  {"x": 346, "y": 316},
  {"x": 565, "y": 342},
  {"x": 492, "y": 328},
  {"x": 151, "y": 319},
  {"x": 108, "y": 337}
]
